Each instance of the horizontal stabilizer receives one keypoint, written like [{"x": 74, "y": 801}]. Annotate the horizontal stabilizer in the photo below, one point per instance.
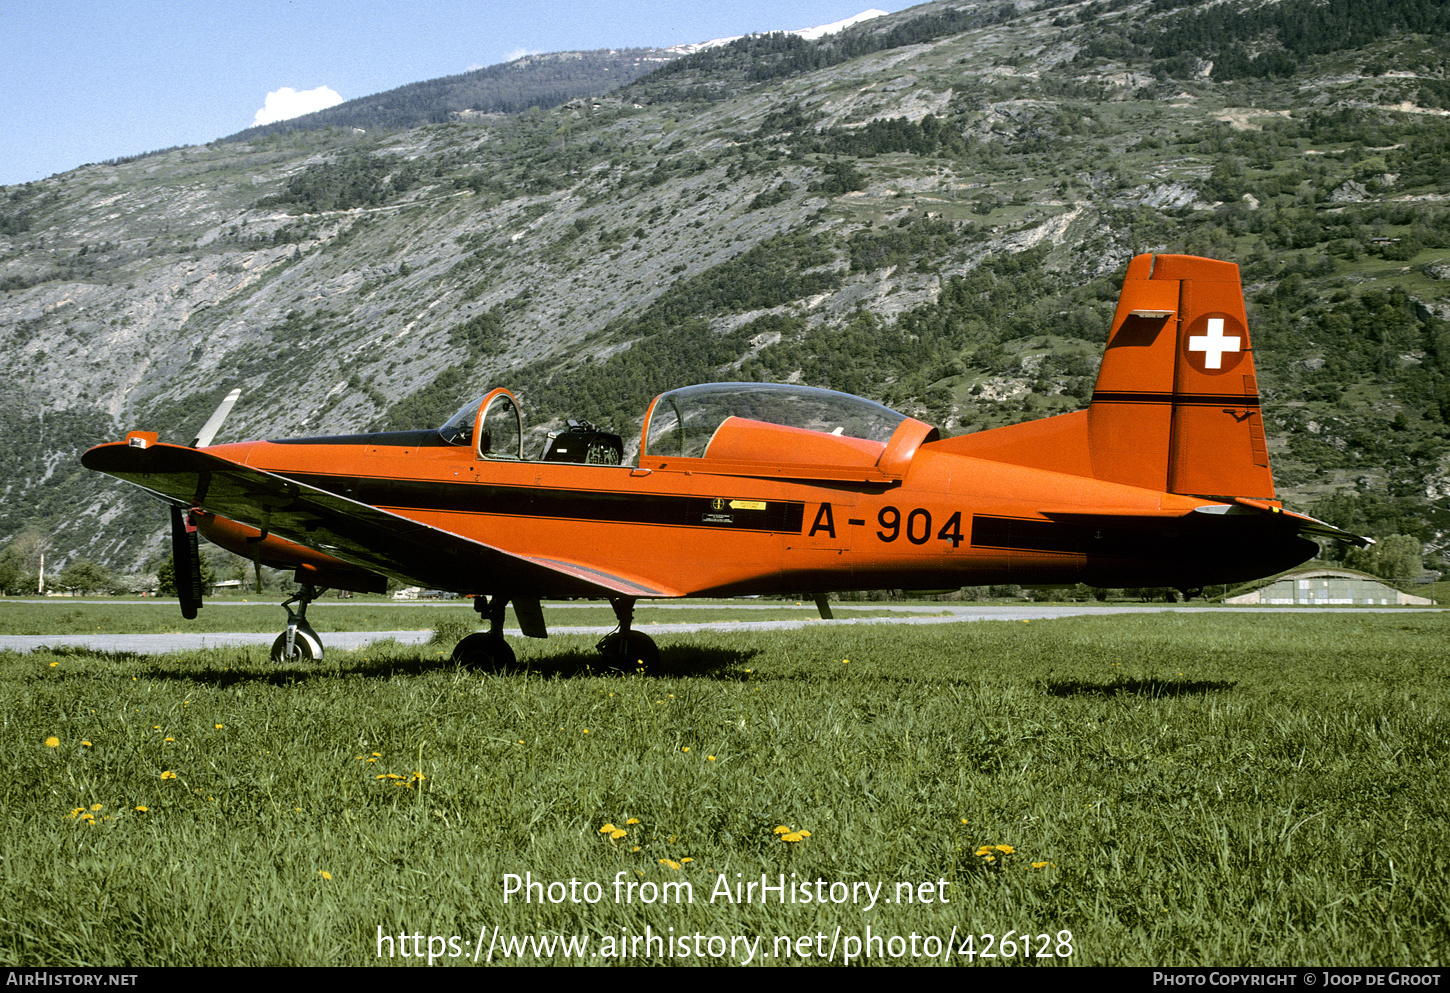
[{"x": 1290, "y": 521}]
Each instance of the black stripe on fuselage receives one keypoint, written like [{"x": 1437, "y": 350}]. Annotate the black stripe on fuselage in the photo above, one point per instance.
[
  {"x": 1133, "y": 540},
  {"x": 1191, "y": 399},
  {"x": 429, "y": 438},
  {"x": 1030, "y": 535},
  {"x": 776, "y": 516}
]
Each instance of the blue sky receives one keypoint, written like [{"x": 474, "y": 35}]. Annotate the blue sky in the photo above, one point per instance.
[{"x": 89, "y": 80}]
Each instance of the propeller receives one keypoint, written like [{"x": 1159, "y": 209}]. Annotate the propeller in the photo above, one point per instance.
[
  {"x": 186, "y": 562},
  {"x": 185, "y": 547},
  {"x": 214, "y": 422}
]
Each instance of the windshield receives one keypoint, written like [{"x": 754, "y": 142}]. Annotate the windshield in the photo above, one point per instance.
[
  {"x": 458, "y": 429},
  {"x": 501, "y": 436},
  {"x": 684, "y": 422}
]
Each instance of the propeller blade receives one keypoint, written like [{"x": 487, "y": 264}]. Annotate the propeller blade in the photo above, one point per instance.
[
  {"x": 185, "y": 563},
  {"x": 214, "y": 423}
]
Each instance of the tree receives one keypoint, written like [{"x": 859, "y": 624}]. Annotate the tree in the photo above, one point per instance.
[
  {"x": 20, "y": 562},
  {"x": 85, "y": 576},
  {"x": 1395, "y": 557}
]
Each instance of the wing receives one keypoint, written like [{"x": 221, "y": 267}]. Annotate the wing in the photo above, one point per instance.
[{"x": 354, "y": 532}]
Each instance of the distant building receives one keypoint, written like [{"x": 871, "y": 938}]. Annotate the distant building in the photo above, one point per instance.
[{"x": 1329, "y": 586}]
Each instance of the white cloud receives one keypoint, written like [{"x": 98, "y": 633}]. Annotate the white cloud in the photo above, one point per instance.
[{"x": 287, "y": 103}]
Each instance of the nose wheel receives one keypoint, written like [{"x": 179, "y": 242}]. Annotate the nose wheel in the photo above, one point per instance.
[{"x": 299, "y": 643}]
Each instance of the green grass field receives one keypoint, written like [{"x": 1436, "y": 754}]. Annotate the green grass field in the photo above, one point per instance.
[{"x": 1139, "y": 790}]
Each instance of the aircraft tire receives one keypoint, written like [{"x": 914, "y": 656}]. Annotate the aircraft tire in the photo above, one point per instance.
[
  {"x": 639, "y": 650},
  {"x": 306, "y": 647},
  {"x": 483, "y": 651}
]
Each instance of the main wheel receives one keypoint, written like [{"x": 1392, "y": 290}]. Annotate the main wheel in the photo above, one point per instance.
[
  {"x": 631, "y": 651},
  {"x": 306, "y": 647},
  {"x": 483, "y": 651}
]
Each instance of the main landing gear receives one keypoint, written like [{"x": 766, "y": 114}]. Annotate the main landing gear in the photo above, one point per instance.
[
  {"x": 489, "y": 650},
  {"x": 625, "y": 647},
  {"x": 486, "y": 650},
  {"x": 299, "y": 643}
]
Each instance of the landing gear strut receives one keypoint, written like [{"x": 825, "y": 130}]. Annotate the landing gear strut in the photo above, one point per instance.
[
  {"x": 486, "y": 650},
  {"x": 299, "y": 642},
  {"x": 626, "y": 647}
]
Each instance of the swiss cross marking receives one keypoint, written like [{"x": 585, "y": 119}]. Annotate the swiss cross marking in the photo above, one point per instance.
[{"x": 1213, "y": 344}]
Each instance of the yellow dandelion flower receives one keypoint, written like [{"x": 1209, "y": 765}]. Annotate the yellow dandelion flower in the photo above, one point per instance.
[
  {"x": 586, "y": 730},
  {"x": 632, "y": 820},
  {"x": 671, "y": 863},
  {"x": 804, "y": 834},
  {"x": 685, "y": 749},
  {"x": 143, "y": 809},
  {"x": 168, "y": 774},
  {"x": 683, "y": 861},
  {"x": 324, "y": 873},
  {"x": 984, "y": 850},
  {"x": 1041, "y": 865},
  {"x": 220, "y": 726},
  {"x": 617, "y": 833},
  {"x": 607, "y": 828},
  {"x": 1006, "y": 849},
  {"x": 85, "y": 744},
  {"x": 52, "y": 742},
  {"x": 792, "y": 836},
  {"x": 709, "y": 758},
  {"x": 991, "y": 858},
  {"x": 635, "y": 848},
  {"x": 170, "y": 739},
  {"x": 782, "y": 829},
  {"x": 72, "y": 815},
  {"x": 97, "y": 806}
]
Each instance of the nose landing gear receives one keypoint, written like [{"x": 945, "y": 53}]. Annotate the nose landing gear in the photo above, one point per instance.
[{"x": 299, "y": 642}]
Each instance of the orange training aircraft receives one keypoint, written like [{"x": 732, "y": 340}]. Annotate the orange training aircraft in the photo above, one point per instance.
[{"x": 744, "y": 488}]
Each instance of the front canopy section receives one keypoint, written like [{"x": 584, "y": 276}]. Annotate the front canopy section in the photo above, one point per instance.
[
  {"x": 767, "y": 422},
  {"x": 492, "y": 425}
]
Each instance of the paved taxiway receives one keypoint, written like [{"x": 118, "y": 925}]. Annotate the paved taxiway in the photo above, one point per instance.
[{"x": 943, "y": 613}]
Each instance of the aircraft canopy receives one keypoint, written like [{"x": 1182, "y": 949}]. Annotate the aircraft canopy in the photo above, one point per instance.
[{"x": 747, "y": 421}]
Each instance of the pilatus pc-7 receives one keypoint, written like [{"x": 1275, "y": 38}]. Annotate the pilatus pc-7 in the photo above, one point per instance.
[{"x": 750, "y": 488}]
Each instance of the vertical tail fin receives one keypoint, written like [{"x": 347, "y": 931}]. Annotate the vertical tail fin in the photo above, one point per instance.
[{"x": 1176, "y": 406}]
